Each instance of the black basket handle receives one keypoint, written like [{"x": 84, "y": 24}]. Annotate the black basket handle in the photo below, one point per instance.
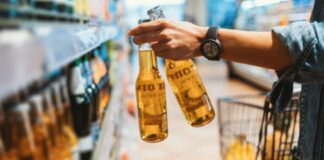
[{"x": 263, "y": 129}]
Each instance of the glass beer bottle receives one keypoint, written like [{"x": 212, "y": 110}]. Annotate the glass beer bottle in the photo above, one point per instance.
[
  {"x": 23, "y": 131},
  {"x": 3, "y": 153},
  {"x": 151, "y": 99},
  {"x": 9, "y": 125},
  {"x": 42, "y": 143},
  {"x": 65, "y": 137},
  {"x": 51, "y": 125},
  {"x": 68, "y": 124},
  {"x": 190, "y": 92},
  {"x": 187, "y": 86}
]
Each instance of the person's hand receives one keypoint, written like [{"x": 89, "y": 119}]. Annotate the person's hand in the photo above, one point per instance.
[{"x": 170, "y": 39}]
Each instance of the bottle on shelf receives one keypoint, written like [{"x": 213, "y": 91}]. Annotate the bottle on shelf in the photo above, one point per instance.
[
  {"x": 10, "y": 132},
  {"x": 59, "y": 116},
  {"x": 68, "y": 124},
  {"x": 61, "y": 6},
  {"x": 9, "y": 9},
  {"x": 85, "y": 8},
  {"x": 100, "y": 77},
  {"x": 42, "y": 140},
  {"x": 49, "y": 5},
  {"x": 3, "y": 154},
  {"x": 106, "y": 87},
  {"x": 69, "y": 6},
  {"x": 21, "y": 130},
  {"x": 151, "y": 96},
  {"x": 81, "y": 107},
  {"x": 67, "y": 139},
  {"x": 187, "y": 86},
  {"x": 93, "y": 92},
  {"x": 52, "y": 123}
]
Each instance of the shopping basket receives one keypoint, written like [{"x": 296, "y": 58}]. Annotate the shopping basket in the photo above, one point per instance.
[{"x": 250, "y": 129}]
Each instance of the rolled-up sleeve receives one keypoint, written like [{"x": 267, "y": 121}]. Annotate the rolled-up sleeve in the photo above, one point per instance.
[{"x": 304, "y": 42}]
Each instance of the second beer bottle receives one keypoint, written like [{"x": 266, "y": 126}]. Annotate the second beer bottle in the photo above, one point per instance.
[{"x": 150, "y": 94}]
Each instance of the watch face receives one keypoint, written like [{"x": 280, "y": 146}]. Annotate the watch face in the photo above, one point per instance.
[{"x": 211, "y": 49}]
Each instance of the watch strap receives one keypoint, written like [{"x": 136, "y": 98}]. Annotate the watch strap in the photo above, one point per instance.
[{"x": 212, "y": 33}]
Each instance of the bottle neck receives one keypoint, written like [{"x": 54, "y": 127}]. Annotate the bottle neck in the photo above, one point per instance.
[{"x": 147, "y": 60}]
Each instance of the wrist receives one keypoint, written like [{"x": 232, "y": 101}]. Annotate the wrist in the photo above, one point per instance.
[{"x": 202, "y": 34}]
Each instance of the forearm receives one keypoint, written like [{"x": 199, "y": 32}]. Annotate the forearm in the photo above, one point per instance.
[
  {"x": 256, "y": 48},
  {"x": 181, "y": 40}
]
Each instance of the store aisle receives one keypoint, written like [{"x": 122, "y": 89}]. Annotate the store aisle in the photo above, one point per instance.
[{"x": 185, "y": 142}]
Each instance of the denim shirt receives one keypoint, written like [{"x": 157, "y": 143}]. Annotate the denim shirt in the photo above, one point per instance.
[{"x": 305, "y": 43}]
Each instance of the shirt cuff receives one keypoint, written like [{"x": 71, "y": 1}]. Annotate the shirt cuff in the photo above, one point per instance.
[{"x": 297, "y": 38}]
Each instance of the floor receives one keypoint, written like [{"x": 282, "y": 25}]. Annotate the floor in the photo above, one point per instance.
[{"x": 185, "y": 142}]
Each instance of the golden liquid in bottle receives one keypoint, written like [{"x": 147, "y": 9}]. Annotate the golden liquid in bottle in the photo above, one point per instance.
[
  {"x": 4, "y": 154},
  {"x": 190, "y": 92},
  {"x": 63, "y": 131},
  {"x": 68, "y": 124},
  {"x": 26, "y": 143},
  {"x": 42, "y": 143},
  {"x": 59, "y": 148},
  {"x": 151, "y": 99},
  {"x": 43, "y": 148},
  {"x": 2, "y": 148}
]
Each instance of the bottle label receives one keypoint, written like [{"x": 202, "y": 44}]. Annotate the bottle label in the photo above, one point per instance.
[
  {"x": 151, "y": 100},
  {"x": 187, "y": 86}
]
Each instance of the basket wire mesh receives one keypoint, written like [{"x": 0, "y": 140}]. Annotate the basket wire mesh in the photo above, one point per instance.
[{"x": 250, "y": 129}]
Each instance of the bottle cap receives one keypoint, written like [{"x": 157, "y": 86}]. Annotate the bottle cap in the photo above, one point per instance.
[
  {"x": 153, "y": 10},
  {"x": 77, "y": 62},
  {"x": 143, "y": 20},
  {"x": 155, "y": 13}
]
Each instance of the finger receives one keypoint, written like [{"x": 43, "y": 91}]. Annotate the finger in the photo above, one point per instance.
[
  {"x": 163, "y": 54},
  {"x": 170, "y": 54},
  {"x": 147, "y": 37},
  {"x": 159, "y": 46},
  {"x": 147, "y": 27}
]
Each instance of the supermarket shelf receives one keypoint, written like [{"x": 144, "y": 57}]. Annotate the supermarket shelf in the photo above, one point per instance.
[
  {"x": 109, "y": 138},
  {"x": 258, "y": 76},
  {"x": 253, "y": 74},
  {"x": 65, "y": 44},
  {"x": 27, "y": 14},
  {"x": 52, "y": 47}
]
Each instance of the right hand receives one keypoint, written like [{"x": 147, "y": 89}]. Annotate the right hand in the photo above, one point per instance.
[{"x": 174, "y": 40}]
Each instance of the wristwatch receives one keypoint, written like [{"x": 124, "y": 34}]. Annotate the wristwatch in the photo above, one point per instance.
[{"x": 211, "y": 47}]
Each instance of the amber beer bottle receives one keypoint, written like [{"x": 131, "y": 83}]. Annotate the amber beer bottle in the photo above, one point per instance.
[
  {"x": 52, "y": 127},
  {"x": 187, "y": 86},
  {"x": 23, "y": 130},
  {"x": 42, "y": 141},
  {"x": 67, "y": 138},
  {"x": 3, "y": 153},
  {"x": 151, "y": 99},
  {"x": 190, "y": 92},
  {"x": 68, "y": 124},
  {"x": 9, "y": 126}
]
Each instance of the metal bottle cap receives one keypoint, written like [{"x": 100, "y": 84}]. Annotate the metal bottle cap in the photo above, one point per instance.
[
  {"x": 155, "y": 13},
  {"x": 143, "y": 20},
  {"x": 151, "y": 11}
]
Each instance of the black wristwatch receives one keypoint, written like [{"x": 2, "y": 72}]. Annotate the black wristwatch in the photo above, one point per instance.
[{"x": 211, "y": 47}]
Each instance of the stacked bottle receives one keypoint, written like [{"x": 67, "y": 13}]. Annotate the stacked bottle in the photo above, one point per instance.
[{"x": 57, "y": 117}]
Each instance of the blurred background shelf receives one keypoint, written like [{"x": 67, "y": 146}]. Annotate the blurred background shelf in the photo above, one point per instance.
[
  {"x": 54, "y": 47},
  {"x": 257, "y": 15}
]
